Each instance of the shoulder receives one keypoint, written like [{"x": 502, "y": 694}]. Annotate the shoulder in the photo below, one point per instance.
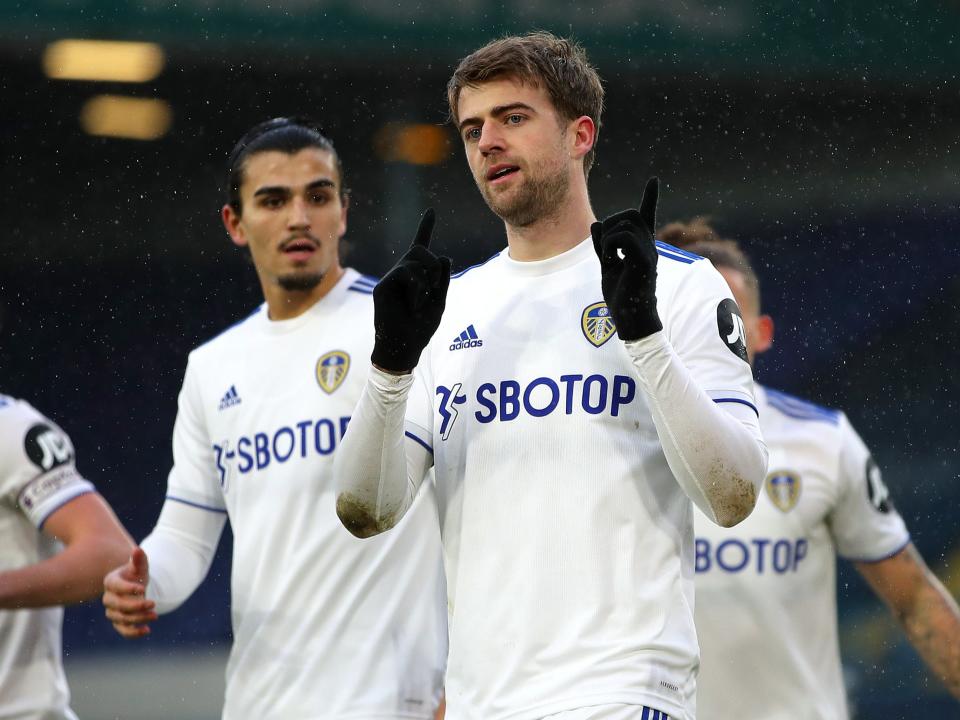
[
  {"x": 359, "y": 284},
  {"x": 479, "y": 272},
  {"x": 28, "y": 436},
  {"x": 791, "y": 408},
  {"x": 17, "y": 415},
  {"x": 228, "y": 336},
  {"x": 676, "y": 267}
]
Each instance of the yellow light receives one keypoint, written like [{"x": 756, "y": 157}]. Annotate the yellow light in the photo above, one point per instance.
[
  {"x": 418, "y": 144},
  {"x": 107, "y": 60},
  {"x": 125, "y": 117}
]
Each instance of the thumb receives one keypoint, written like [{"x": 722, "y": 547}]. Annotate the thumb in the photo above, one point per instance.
[{"x": 138, "y": 569}]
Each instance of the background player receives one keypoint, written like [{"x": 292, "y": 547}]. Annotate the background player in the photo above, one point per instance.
[
  {"x": 324, "y": 626},
  {"x": 766, "y": 590},
  {"x": 58, "y": 538},
  {"x": 565, "y": 460}
]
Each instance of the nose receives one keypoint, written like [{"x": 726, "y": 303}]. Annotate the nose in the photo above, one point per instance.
[
  {"x": 298, "y": 218},
  {"x": 491, "y": 139}
]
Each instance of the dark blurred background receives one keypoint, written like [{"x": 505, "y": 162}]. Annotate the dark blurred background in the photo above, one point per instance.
[{"x": 822, "y": 135}]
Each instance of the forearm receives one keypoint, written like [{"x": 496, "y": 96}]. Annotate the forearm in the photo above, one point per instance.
[
  {"x": 374, "y": 486},
  {"x": 71, "y": 576},
  {"x": 180, "y": 550},
  {"x": 719, "y": 459},
  {"x": 932, "y": 624}
]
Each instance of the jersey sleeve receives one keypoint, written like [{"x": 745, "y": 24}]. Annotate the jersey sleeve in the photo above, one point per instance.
[
  {"x": 418, "y": 425},
  {"x": 705, "y": 328},
  {"x": 38, "y": 472},
  {"x": 194, "y": 478},
  {"x": 865, "y": 525}
]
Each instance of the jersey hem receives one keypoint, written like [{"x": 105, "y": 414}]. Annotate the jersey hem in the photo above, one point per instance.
[
  {"x": 887, "y": 556},
  {"x": 654, "y": 702}
]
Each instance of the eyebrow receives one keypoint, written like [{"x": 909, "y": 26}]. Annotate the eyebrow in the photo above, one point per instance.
[
  {"x": 497, "y": 111},
  {"x": 284, "y": 190}
]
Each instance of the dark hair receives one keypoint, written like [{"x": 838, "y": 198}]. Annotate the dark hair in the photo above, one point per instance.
[
  {"x": 543, "y": 60},
  {"x": 697, "y": 236},
  {"x": 284, "y": 134}
]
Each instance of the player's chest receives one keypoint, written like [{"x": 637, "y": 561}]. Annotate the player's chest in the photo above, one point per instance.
[{"x": 545, "y": 357}]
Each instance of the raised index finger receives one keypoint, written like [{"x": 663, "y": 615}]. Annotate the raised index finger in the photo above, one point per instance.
[
  {"x": 648, "y": 205},
  {"x": 425, "y": 230}
]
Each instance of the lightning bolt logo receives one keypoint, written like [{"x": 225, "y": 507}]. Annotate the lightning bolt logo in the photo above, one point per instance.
[{"x": 449, "y": 399}]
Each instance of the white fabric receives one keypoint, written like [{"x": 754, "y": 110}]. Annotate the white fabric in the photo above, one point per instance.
[
  {"x": 37, "y": 476},
  {"x": 766, "y": 590},
  {"x": 568, "y": 541},
  {"x": 325, "y": 625}
]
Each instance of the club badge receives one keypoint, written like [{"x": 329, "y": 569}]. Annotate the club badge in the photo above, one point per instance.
[
  {"x": 597, "y": 324},
  {"x": 332, "y": 369},
  {"x": 783, "y": 487}
]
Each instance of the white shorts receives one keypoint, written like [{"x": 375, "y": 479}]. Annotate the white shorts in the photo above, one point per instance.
[{"x": 610, "y": 712}]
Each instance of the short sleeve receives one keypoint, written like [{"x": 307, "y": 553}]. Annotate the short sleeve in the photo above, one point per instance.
[
  {"x": 194, "y": 478},
  {"x": 865, "y": 525},
  {"x": 38, "y": 472},
  {"x": 705, "y": 328}
]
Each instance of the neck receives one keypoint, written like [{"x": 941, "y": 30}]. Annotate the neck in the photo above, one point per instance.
[
  {"x": 287, "y": 304},
  {"x": 557, "y": 232}
]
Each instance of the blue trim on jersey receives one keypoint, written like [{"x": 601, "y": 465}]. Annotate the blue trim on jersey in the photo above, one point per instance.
[
  {"x": 196, "y": 505},
  {"x": 65, "y": 502},
  {"x": 418, "y": 441},
  {"x": 650, "y": 714},
  {"x": 468, "y": 269},
  {"x": 671, "y": 256},
  {"x": 880, "y": 559},
  {"x": 360, "y": 289},
  {"x": 738, "y": 400},
  {"x": 231, "y": 327},
  {"x": 677, "y": 251},
  {"x": 801, "y": 409},
  {"x": 368, "y": 278}
]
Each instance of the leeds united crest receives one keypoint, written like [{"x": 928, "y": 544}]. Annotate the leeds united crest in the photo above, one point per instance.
[
  {"x": 332, "y": 369},
  {"x": 784, "y": 489},
  {"x": 596, "y": 323}
]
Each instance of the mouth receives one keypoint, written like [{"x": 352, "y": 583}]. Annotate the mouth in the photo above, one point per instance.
[
  {"x": 299, "y": 249},
  {"x": 498, "y": 173}
]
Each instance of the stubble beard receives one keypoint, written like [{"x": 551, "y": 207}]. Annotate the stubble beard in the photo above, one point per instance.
[
  {"x": 300, "y": 282},
  {"x": 538, "y": 197}
]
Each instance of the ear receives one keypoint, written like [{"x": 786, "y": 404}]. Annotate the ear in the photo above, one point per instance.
[
  {"x": 764, "y": 337},
  {"x": 231, "y": 221},
  {"x": 585, "y": 133}
]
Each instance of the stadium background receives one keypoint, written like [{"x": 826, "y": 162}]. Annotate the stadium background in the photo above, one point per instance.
[{"x": 822, "y": 135}]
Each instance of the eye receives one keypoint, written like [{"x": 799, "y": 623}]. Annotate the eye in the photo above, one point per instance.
[
  {"x": 472, "y": 134},
  {"x": 514, "y": 119},
  {"x": 319, "y": 198},
  {"x": 271, "y": 202}
]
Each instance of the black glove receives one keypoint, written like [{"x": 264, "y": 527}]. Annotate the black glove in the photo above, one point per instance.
[
  {"x": 629, "y": 284},
  {"x": 408, "y": 303}
]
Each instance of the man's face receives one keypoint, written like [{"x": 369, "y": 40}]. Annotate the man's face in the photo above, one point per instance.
[
  {"x": 517, "y": 149},
  {"x": 759, "y": 328},
  {"x": 292, "y": 217}
]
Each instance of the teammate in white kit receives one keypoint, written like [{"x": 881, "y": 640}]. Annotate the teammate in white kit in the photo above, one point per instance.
[
  {"x": 325, "y": 626},
  {"x": 57, "y": 539},
  {"x": 566, "y": 458},
  {"x": 766, "y": 590}
]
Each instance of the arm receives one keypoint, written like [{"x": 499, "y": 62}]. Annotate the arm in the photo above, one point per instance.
[
  {"x": 169, "y": 565},
  {"x": 716, "y": 453},
  {"x": 94, "y": 540},
  {"x": 715, "y": 450},
  {"x": 929, "y": 615},
  {"x": 377, "y": 472}
]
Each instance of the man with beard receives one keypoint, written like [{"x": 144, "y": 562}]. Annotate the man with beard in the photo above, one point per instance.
[
  {"x": 325, "y": 626},
  {"x": 566, "y": 460}
]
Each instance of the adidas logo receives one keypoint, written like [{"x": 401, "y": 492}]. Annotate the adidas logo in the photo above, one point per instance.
[
  {"x": 230, "y": 398},
  {"x": 467, "y": 339}
]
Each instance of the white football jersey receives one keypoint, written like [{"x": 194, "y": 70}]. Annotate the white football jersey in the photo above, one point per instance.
[
  {"x": 568, "y": 542},
  {"x": 766, "y": 589},
  {"x": 325, "y": 625},
  {"x": 37, "y": 477}
]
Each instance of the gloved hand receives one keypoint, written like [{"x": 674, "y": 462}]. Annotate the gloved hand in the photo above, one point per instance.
[
  {"x": 629, "y": 283},
  {"x": 408, "y": 303}
]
